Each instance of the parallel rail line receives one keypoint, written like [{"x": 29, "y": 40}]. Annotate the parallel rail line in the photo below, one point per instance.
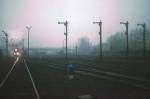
[
  {"x": 134, "y": 81},
  {"x": 8, "y": 74},
  {"x": 31, "y": 78}
]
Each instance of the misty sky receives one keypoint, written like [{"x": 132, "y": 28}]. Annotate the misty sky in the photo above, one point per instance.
[{"x": 43, "y": 16}]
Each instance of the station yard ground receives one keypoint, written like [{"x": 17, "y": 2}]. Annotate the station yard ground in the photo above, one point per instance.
[{"x": 55, "y": 84}]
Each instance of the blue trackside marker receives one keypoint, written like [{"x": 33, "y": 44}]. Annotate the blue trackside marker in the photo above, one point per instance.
[
  {"x": 71, "y": 70},
  {"x": 71, "y": 67}
]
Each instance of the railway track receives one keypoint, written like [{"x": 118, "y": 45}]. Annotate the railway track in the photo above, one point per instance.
[
  {"x": 28, "y": 71},
  {"x": 143, "y": 84},
  {"x": 32, "y": 80},
  {"x": 134, "y": 81},
  {"x": 134, "y": 70}
]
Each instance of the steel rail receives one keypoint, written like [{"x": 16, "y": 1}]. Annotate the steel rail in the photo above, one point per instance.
[
  {"x": 31, "y": 78},
  {"x": 8, "y": 74},
  {"x": 136, "y": 82}
]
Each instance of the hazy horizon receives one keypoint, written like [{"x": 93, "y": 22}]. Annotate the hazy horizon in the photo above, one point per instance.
[{"x": 43, "y": 16}]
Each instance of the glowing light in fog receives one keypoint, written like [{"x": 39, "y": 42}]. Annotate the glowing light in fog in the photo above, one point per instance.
[
  {"x": 15, "y": 50},
  {"x": 17, "y": 53}
]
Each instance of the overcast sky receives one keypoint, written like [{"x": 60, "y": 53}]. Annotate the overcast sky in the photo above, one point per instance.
[{"x": 43, "y": 16}]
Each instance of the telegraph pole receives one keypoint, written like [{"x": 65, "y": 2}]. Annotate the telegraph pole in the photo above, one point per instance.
[
  {"x": 76, "y": 50},
  {"x": 100, "y": 33},
  {"x": 23, "y": 45},
  {"x": 66, "y": 34},
  {"x": 6, "y": 39},
  {"x": 28, "y": 29},
  {"x": 144, "y": 38},
  {"x": 127, "y": 44},
  {"x": 63, "y": 45}
]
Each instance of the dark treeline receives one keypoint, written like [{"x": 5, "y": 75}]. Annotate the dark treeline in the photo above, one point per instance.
[
  {"x": 115, "y": 45},
  {"x": 117, "y": 42}
]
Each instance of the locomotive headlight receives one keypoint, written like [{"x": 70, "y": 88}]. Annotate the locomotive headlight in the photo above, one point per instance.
[
  {"x": 17, "y": 53},
  {"x": 15, "y": 50}
]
